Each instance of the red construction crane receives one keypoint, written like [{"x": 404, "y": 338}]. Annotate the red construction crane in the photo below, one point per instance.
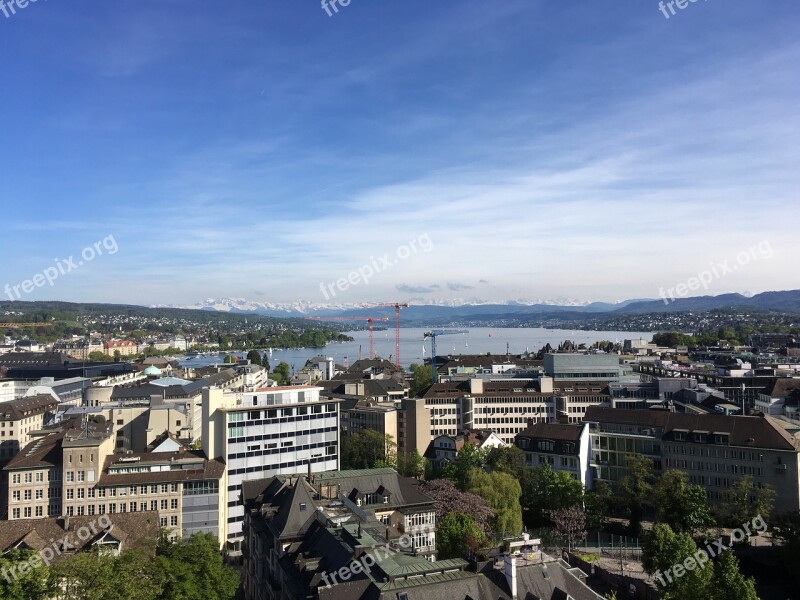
[
  {"x": 369, "y": 320},
  {"x": 397, "y": 307}
]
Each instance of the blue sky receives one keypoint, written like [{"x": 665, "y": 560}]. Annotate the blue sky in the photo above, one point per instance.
[{"x": 545, "y": 149}]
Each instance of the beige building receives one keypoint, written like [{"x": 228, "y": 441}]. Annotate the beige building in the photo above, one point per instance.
[
  {"x": 20, "y": 418},
  {"x": 76, "y": 473},
  {"x": 124, "y": 347},
  {"x": 714, "y": 450}
]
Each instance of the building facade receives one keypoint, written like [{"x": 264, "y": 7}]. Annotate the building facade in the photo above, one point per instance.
[{"x": 273, "y": 431}]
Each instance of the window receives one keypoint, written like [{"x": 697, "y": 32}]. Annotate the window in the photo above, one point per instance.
[
  {"x": 173, "y": 504},
  {"x": 70, "y": 494},
  {"x": 15, "y": 496},
  {"x": 39, "y": 477},
  {"x": 154, "y": 505},
  {"x": 173, "y": 520},
  {"x": 15, "y": 513},
  {"x": 39, "y": 511},
  {"x": 164, "y": 488},
  {"x": 81, "y": 476},
  {"x": 39, "y": 494},
  {"x": 163, "y": 505},
  {"x": 162, "y": 521}
]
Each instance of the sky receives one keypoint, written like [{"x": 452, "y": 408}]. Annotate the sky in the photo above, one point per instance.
[{"x": 167, "y": 152}]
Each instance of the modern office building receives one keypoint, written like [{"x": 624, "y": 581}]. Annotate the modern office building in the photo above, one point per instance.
[
  {"x": 269, "y": 432},
  {"x": 506, "y": 406}
]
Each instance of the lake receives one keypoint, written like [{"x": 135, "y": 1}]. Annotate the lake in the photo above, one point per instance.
[{"x": 479, "y": 340}]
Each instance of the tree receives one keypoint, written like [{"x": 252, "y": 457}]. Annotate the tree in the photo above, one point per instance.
[
  {"x": 545, "y": 490},
  {"x": 97, "y": 356},
  {"x": 229, "y": 359},
  {"x": 501, "y": 492},
  {"x": 635, "y": 490},
  {"x": 282, "y": 374},
  {"x": 30, "y": 585},
  {"x": 449, "y": 499},
  {"x": 254, "y": 356},
  {"x": 97, "y": 575},
  {"x": 786, "y": 527},
  {"x": 569, "y": 524},
  {"x": 663, "y": 553},
  {"x": 265, "y": 361},
  {"x": 508, "y": 459},
  {"x": 194, "y": 569},
  {"x": 744, "y": 500},
  {"x": 411, "y": 464},
  {"x": 454, "y": 534},
  {"x": 468, "y": 458},
  {"x": 422, "y": 375},
  {"x": 598, "y": 503},
  {"x": 679, "y": 504},
  {"x": 368, "y": 449},
  {"x": 729, "y": 583}
]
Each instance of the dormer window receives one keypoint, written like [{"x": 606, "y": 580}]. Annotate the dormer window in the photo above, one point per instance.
[{"x": 680, "y": 436}]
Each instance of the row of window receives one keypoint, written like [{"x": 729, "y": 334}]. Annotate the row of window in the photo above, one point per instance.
[
  {"x": 715, "y": 452},
  {"x": 273, "y": 467}
]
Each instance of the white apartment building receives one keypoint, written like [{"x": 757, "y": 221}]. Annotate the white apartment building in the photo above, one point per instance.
[{"x": 272, "y": 431}]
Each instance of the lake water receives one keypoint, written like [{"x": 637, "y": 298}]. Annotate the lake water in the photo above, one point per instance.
[{"x": 479, "y": 340}]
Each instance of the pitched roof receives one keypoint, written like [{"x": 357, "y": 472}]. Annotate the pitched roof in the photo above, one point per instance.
[
  {"x": 207, "y": 469},
  {"x": 757, "y": 432},
  {"x": 554, "y": 431},
  {"x": 44, "y": 452},
  {"x": 14, "y": 410},
  {"x": 782, "y": 387},
  {"x": 136, "y": 529}
]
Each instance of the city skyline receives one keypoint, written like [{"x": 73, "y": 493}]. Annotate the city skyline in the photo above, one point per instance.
[{"x": 416, "y": 152}]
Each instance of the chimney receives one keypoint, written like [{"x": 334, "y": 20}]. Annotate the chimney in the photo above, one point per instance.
[
  {"x": 546, "y": 385},
  {"x": 511, "y": 574}
]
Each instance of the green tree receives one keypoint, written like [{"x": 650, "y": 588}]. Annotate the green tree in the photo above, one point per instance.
[
  {"x": 635, "y": 490},
  {"x": 663, "y": 553},
  {"x": 455, "y": 534},
  {"x": 282, "y": 374},
  {"x": 194, "y": 569},
  {"x": 368, "y": 449},
  {"x": 599, "y": 503},
  {"x": 229, "y": 359},
  {"x": 679, "y": 504},
  {"x": 468, "y": 458},
  {"x": 30, "y": 585},
  {"x": 786, "y": 528},
  {"x": 97, "y": 356},
  {"x": 254, "y": 356},
  {"x": 729, "y": 583},
  {"x": 411, "y": 464},
  {"x": 508, "y": 459},
  {"x": 421, "y": 379},
  {"x": 744, "y": 500},
  {"x": 501, "y": 492},
  {"x": 265, "y": 361},
  {"x": 84, "y": 576},
  {"x": 545, "y": 490}
]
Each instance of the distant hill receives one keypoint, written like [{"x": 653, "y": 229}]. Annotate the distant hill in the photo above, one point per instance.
[{"x": 787, "y": 301}]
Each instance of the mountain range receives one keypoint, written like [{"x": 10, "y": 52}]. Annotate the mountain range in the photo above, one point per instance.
[{"x": 780, "y": 301}]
